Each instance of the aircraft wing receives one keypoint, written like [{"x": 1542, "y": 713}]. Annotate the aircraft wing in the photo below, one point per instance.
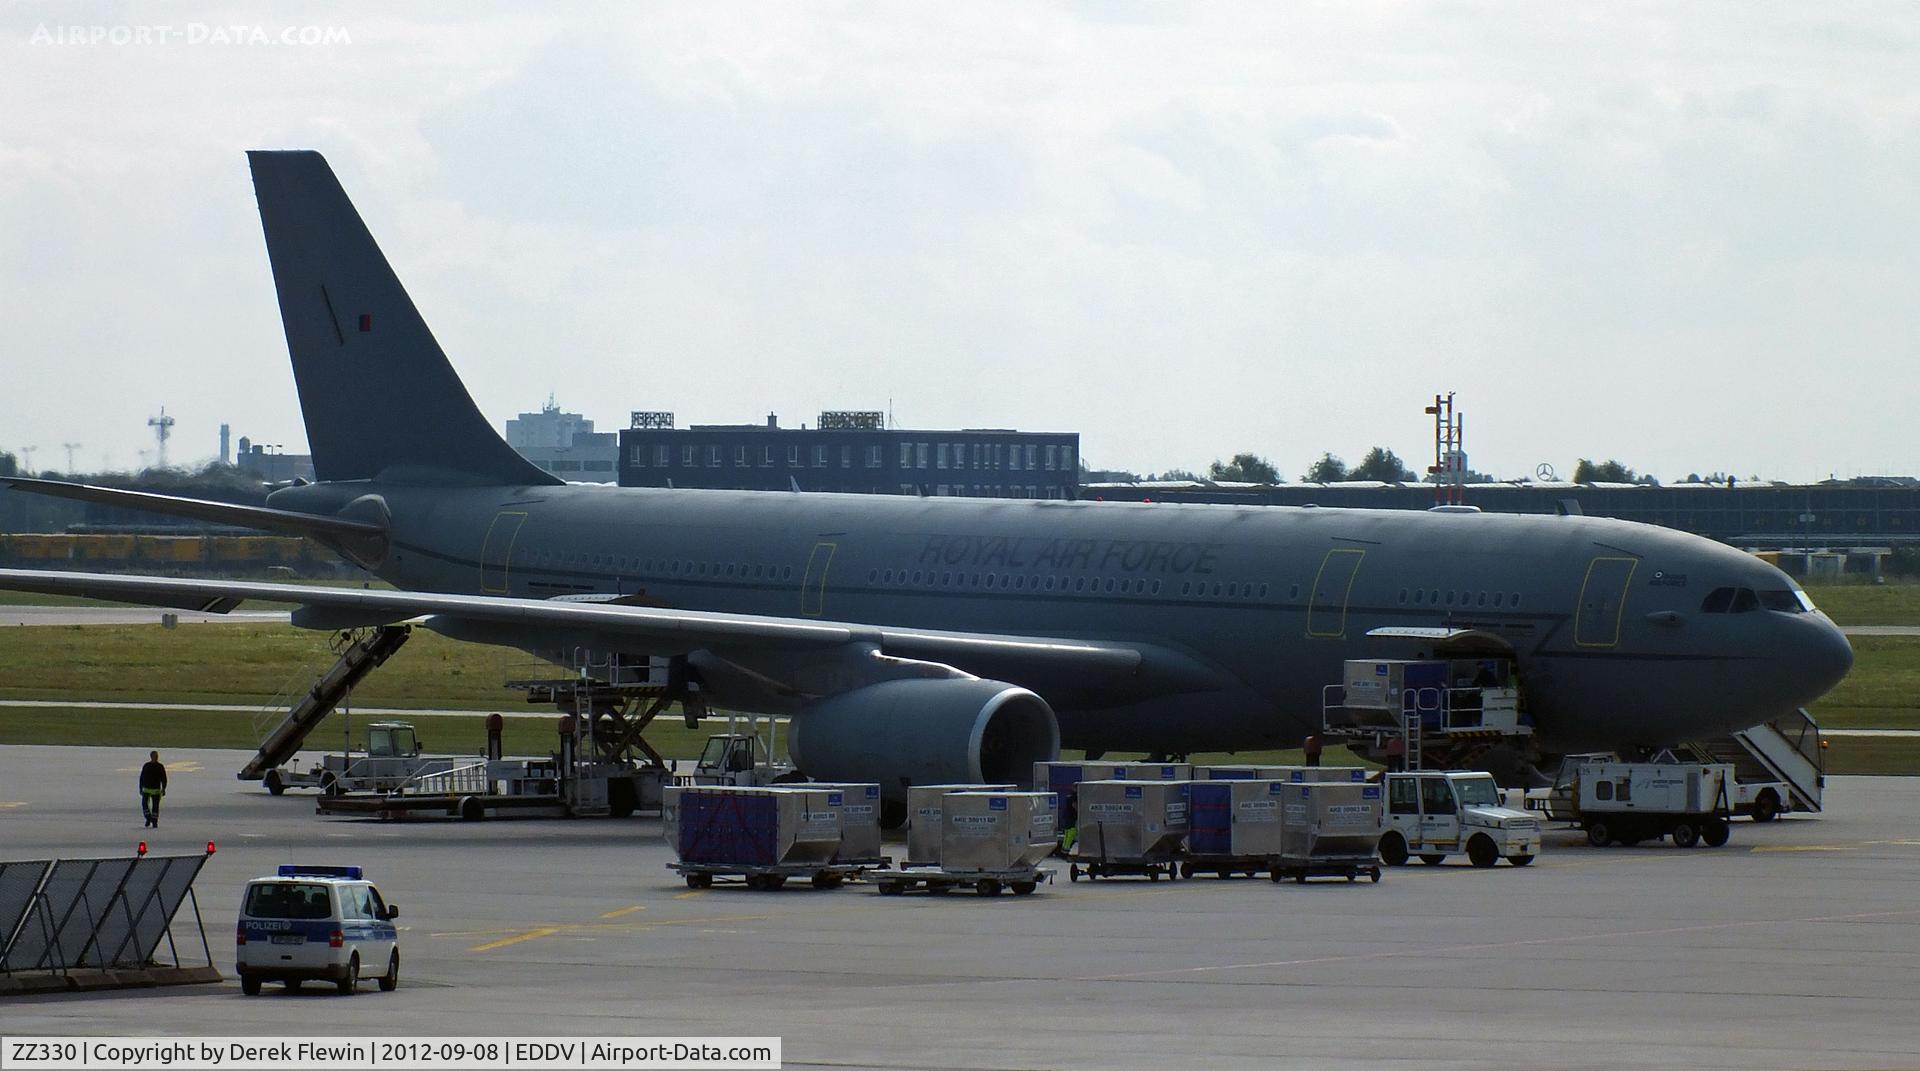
[{"x": 540, "y": 622}]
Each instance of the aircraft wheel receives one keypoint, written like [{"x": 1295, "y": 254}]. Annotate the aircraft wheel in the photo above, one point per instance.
[{"x": 1393, "y": 850}]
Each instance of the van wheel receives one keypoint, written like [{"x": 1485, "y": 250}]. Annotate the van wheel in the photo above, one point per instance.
[
  {"x": 1393, "y": 850},
  {"x": 250, "y": 985},
  {"x": 1598, "y": 834},
  {"x": 391, "y": 980},
  {"x": 1767, "y": 807},
  {"x": 350, "y": 981},
  {"x": 1481, "y": 852},
  {"x": 1684, "y": 835}
]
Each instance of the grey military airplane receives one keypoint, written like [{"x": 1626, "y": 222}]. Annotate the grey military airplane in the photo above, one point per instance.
[{"x": 921, "y": 640}]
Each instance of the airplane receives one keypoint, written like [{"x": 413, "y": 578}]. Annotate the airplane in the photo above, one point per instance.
[{"x": 946, "y": 640}]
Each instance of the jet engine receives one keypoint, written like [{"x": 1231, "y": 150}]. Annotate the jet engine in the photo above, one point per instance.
[{"x": 925, "y": 732}]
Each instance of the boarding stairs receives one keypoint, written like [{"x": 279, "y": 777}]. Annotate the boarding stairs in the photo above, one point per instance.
[
  {"x": 360, "y": 653},
  {"x": 1786, "y": 749}
]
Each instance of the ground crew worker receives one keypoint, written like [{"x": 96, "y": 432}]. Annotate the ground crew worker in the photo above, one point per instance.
[
  {"x": 1396, "y": 753},
  {"x": 1312, "y": 748},
  {"x": 153, "y": 785}
]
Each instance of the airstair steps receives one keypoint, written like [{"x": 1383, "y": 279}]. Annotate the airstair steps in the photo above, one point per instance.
[{"x": 361, "y": 656}]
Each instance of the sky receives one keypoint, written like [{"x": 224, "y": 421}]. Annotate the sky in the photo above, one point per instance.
[{"x": 1683, "y": 235}]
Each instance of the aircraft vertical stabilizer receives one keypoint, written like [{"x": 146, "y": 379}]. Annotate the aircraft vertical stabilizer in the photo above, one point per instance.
[{"x": 375, "y": 388}]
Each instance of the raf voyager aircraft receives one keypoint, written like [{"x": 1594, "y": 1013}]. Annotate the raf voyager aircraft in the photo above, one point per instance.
[{"x": 919, "y": 640}]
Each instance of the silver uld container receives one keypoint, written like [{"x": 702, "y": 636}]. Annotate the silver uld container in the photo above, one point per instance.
[
  {"x": 996, "y": 831},
  {"x": 924, "y": 812},
  {"x": 806, "y": 824},
  {"x": 1351, "y": 774},
  {"x": 859, "y": 820},
  {"x": 1254, "y": 817},
  {"x": 1131, "y": 821},
  {"x": 1329, "y": 819}
]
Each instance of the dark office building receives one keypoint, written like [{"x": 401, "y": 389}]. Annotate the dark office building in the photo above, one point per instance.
[{"x": 850, "y": 452}]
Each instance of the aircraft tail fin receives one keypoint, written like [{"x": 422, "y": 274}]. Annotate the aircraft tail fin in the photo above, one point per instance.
[{"x": 376, "y": 390}]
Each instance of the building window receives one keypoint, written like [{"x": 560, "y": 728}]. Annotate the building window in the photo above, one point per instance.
[
  {"x": 1013, "y": 458},
  {"x": 739, "y": 457},
  {"x": 920, "y": 455},
  {"x": 846, "y": 457},
  {"x": 686, "y": 457},
  {"x": 941, "y": 450},
  {"x": 713, "y": 457},
  {"x": 766, "y": 457},
  {"x": 1033, "y": 456},
  {"x": 875, "y": 455},
  {"x": 1053, "y": 456},
  {"x": 1066, "y": 458},
  {"x": 906, "y": 455},
  {"x": 793, "y": 457},
  {"x": 662, "y": 456},
  {"x": 639, "y": 457},
  {"x": 819, "y": 457}
]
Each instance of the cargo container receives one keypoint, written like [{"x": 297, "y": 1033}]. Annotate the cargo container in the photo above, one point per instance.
[
  {"x": 1064, "y": 778},
  {"x": 995, "y": 831},
  {"x": 924, "y": 813},
  {"x": 764, "y": 835},
  {"x": 859, "y": 821},
  {"x": 1243, "y": 772},
  {"x": 1131, "y": 827},
  {"x": 1329, "y": 828},
  {"x": 1235, "y": 827}
]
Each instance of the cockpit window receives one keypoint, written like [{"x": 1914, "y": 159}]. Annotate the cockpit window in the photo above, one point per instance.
[
  {"x": 1745, "y": 601},
  {"x": 1782, "y": 600},
  {"x": 1717, "y": 601}
]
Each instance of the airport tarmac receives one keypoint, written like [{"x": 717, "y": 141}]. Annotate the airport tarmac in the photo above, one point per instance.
[{"x": 1797, "y": 945}]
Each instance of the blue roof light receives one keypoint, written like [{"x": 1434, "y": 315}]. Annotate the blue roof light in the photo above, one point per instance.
[{"x": 297, "y": 870}]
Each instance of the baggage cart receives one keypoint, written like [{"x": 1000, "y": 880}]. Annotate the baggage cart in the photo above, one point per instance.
[{"x": 936, "y": 881}]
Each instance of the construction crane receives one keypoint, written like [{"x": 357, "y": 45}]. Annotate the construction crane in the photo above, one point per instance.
[{"x": 162, "y": 426}]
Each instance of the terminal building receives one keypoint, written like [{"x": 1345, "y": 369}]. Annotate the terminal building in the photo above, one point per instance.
[{"x": 849, "y": 451}]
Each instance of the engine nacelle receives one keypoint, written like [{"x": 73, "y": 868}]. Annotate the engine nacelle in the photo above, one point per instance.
[{"x": 925, "y": 732}]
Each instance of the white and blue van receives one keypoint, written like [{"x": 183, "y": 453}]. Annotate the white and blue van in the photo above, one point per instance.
[{"x": 324, "y": 922}]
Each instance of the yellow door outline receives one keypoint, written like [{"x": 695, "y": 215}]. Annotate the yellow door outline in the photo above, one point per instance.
[
  {"x": 496, "y": 550},
  {"x": 1317, "y": 609},
  {"x": 813, "y": 586},
  {"x": 1582, "y": 637}
]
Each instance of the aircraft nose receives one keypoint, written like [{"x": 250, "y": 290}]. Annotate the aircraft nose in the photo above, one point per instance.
[{"x": 1820, "y": 657}]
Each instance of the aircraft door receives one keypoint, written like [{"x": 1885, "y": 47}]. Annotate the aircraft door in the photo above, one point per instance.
[
  {"x": 496, "y": 551},
  {"x": 1603, "y": 601},
  {"x": 813, "y": 587},
  {"x": 1327, "y": 605}
]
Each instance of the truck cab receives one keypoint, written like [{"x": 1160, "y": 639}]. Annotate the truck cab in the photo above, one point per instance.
[
  {"x": 1437, "y": 813},
  {"x": 737, "y": 759}
]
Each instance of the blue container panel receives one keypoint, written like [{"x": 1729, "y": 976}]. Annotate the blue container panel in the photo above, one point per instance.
[
  {"x": 729, "y": 828},
  {"x": 1212, "y": 815}
]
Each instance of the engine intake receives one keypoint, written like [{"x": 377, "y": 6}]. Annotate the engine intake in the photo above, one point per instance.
[{"x": 925, "y": 732}]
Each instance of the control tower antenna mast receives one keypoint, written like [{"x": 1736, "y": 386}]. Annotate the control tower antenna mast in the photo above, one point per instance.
[{"x": 162, "y": 426}]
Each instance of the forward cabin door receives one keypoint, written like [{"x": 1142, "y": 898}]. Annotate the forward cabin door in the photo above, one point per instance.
[
  {"x": 1603, "y": 601},
  {"x": 813, "y": 586}
]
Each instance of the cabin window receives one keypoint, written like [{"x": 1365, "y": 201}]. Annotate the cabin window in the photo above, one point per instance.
[
  {"x": 1482, "y": 600},
  {"x": 1745, "y": 601},
  {"x": 1782, "y": 600},
  {"x": 873, "y": 575},
  {"x": 1497, "y": 596},
  {"x": 1513, "y": 600},
  {"x": 1718, "y": 601},
  {"x": 1293, "y": 592},
  {"x": 1403, "y": 595},
  {"x": 1603, "y": 791},
  {"x": 1156, "y": 587},
  {"x": 1419, "y": 597}
]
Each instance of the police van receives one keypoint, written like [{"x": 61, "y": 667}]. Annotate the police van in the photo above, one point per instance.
[{"x": 325, "y": 922}]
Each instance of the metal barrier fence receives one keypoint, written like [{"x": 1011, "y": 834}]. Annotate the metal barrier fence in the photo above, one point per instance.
[{"x": 94, "y": 914}]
